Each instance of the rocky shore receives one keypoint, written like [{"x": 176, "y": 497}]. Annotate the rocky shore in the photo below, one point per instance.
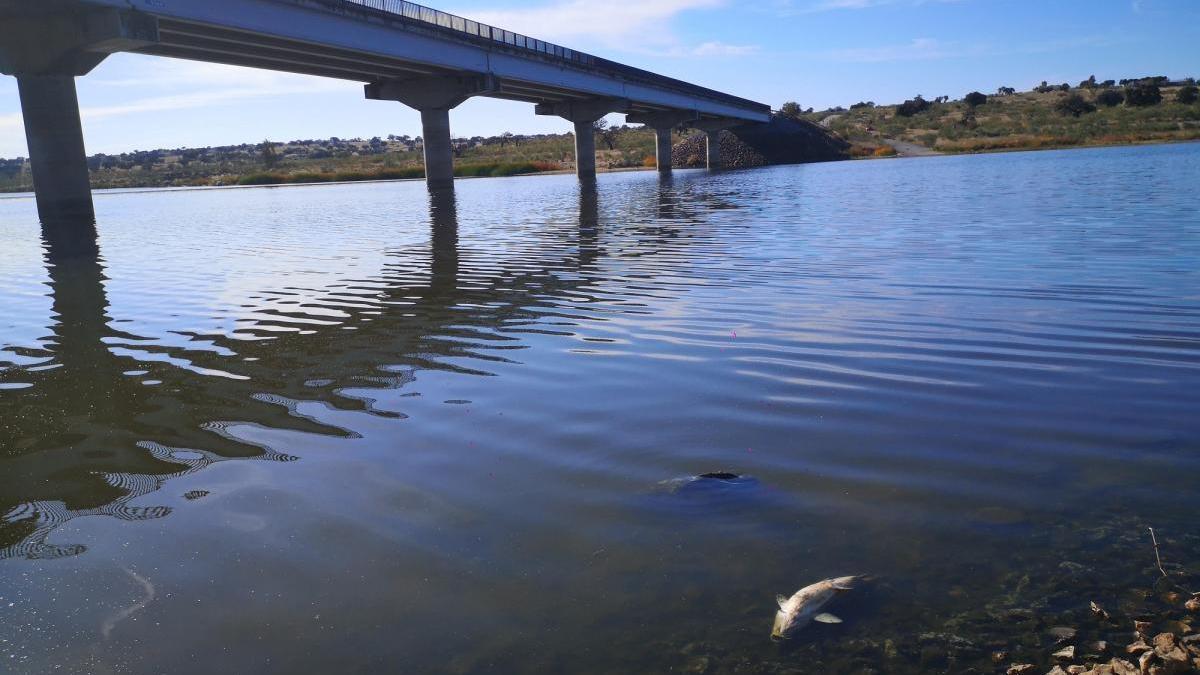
[
  {"x": 1174, "y": 648},
  {"x": 784, "y": 140}
]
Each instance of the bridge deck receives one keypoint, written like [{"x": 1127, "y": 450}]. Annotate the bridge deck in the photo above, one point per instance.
[{"x": 372, "y": 40}]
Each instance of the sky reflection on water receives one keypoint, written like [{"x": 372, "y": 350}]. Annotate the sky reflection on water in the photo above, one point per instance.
[{"x": 951, "y": 373}]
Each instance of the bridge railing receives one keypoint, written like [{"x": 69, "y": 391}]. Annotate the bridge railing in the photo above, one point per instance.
[
  {"x": 411, "y": 10},
  {"x": 475, "y": 29}
]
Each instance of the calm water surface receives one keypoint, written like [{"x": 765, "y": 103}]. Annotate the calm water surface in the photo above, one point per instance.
[{"x": 359, "y": 429}]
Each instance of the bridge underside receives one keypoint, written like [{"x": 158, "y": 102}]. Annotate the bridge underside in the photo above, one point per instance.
[
  {"x": 427, "y": 66},
  {"x": 229, "y": 47}
]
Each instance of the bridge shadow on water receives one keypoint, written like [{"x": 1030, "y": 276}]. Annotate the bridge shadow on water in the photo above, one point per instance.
[{"x": 85, "y": 434}]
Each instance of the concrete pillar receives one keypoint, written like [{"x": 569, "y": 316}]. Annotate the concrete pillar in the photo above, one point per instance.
[
  {"x": 46, "y": 49},
  {"x": 712, "y": 129},
  {"x": 439, "y": 152},
  {"x": 662, "y": 147},
  {"x": 662, "y": 123},
  {"x": 55, "y": 136},
  {"x": 585, "y": 151},
  {"x": 714, "y": 149},
  {"x": 434, "y": 97},
  {"x": 583, "y": 113}
]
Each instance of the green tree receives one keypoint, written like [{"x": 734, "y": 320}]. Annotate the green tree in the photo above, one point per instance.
[
  {"x": 1142, "y": 94},
  {"x": 1187, "y": 95},
  {"x": 975, "y": 99},
  {"x": 791, "y": 109},
  {"x": 1074, "y": 105},
  {"x": 1110, "y": 97},
  {"x": 606, "y": 133},
  {"x": 268, "y": 154}
]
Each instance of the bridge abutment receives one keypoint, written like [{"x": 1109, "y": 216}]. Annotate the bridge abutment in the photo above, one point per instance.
[
  {"x": 584, "y": 114},
  {"x": 434, "y": 98}
]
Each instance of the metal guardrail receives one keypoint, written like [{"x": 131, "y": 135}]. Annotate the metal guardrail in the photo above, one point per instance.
[
  {"x": 482, "y": 31},
  {"x": 415, "y": 12}
]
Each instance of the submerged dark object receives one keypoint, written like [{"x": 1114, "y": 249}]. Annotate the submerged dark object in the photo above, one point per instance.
[
  {"x": 711, "y": 483},
  {"x": 720, "y": 475}
]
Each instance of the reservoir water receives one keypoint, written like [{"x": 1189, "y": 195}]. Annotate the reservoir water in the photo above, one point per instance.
[{"x": 357, "y": 429}]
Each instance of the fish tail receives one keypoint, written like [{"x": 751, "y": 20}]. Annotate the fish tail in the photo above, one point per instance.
[{"x": 849, "y": 583}]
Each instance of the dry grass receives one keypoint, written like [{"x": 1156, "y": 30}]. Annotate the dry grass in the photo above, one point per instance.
[{"x": 1023, "y": 121}]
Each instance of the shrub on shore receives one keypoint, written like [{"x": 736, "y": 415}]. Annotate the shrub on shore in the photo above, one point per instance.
[
  {"x": 1074, "y": 105},
  {"x": 493, "y": 169},
  {"x": 1187, "y": 95},
  {"x": 913, "y": 106},
  {"x": 504, "y": 169},
  {"x": 1142, "y": 94},
  {"x": 1110, "y": 98}
]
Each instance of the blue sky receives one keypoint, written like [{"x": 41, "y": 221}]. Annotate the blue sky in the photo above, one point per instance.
[{"x": 820, "y": 53}]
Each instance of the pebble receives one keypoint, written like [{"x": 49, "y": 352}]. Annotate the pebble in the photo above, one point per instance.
[
  {"x": 1066, "y": 653},
  {"x": 1063, "y": 633}
]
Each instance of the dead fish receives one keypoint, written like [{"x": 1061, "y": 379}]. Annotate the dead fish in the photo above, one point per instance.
[{"x": 805, "y": 606}]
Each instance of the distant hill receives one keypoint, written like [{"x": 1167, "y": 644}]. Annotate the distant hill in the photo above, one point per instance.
[
  {"x": 1144, "y": 110},
  {"x": 338, "y": 159}
]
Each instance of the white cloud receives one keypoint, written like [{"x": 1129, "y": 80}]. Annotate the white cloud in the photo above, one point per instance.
[
  {"x": 930, "y": 49},
  {"x": 617, "y": 26},
  {"x": 206, "y": 84},
  {"x": 791, "y": 7},
  {"x": 723, "y": 49},
  {"x": 920, "y": 49},
  {"x": 186, "y": 85},
  {"x": 11, "y": 124}
]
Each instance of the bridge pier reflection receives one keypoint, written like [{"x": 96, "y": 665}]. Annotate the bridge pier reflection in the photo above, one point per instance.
[{"x": 443, "y": 242}]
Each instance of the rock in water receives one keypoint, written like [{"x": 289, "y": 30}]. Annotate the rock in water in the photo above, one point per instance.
[
  {"x": 1062, "y": 634},
  {"x": 1066, "y": 653}
]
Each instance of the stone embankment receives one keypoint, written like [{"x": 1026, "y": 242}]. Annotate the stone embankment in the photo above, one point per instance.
[{"x": 784, "y": 140}]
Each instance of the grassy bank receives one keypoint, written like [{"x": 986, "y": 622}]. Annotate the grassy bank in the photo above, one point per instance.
[
  {"x": 491, "y": 169},
  {"x": 343, "y": 160},
  {"x": 1059, "y": 118}
]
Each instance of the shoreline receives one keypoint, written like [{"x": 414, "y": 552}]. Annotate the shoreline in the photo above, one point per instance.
[
  {"x": 27, "y": 194},
  {"x": 997, "y": 151},
  {"x": 100, "y": 192}
]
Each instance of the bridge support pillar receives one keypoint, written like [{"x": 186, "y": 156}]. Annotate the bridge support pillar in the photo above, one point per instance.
[
  {"x": 712, "y": 130},
  {"x": 434, "y": 97},
  {"x": 663, "y": 123},
  {"x": 713, "y": 145},
  {"x": 55, "y": 136},
  {"x": 46, "y": 51},
  {"x": 584, "y": 114},
  {"x": 663, "y": 149},
  {"x": 585, "y": 150},
  {"x": 439, "y": 148}
]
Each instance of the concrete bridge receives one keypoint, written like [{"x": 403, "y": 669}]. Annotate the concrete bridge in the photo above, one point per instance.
[{"x": 428, "y": 60}]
